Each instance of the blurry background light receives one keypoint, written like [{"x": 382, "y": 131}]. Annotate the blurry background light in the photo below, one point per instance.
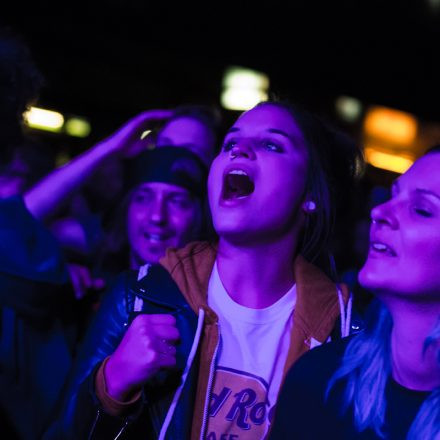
[
  {"x": 243, "y": 88},
  {"x": 77, "y": 127},
  {"x": 387, "y": 161},
  {"x": 434, "y": 5},
  {"x": 242, "y": 99},
  {"x": 390, "y": 125},
  {"x": 242, "y": 78},
  {"x": 349, "y": 109},
  {"x": 44, "y": 119}
]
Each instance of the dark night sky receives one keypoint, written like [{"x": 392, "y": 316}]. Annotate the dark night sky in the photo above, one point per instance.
[{"x": 109, "y": 60}]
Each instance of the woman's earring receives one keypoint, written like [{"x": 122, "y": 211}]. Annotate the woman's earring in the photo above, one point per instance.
[{"x": 310, "y": 206}]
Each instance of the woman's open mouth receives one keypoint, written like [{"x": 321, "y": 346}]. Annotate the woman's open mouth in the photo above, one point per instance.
[{"x": 237, "y": 184}]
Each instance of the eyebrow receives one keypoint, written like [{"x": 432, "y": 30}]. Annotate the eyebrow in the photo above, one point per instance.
[
  {"x": 233, "y": 130},
  {"x": 427, "y": 192},
  {"x": 281, "y": 132},
  {"x": 270, "y": 130}
]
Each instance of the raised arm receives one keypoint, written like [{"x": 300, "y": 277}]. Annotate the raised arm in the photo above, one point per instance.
[{"x": 51, "y": 191}]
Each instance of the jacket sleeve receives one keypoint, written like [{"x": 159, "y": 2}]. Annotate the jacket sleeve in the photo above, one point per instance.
[
  {"x": 82, "y": 415},
  {"x": 32, "y": 265}
]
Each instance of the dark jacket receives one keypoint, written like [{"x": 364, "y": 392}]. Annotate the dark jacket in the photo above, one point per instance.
[
  {"x": 174, "y": 405},
  {"x": 36, "y": 338},
  {"x": 314, "y": 416}
]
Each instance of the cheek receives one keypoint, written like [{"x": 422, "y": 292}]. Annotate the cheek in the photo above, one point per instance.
[
  {"x": 288, "y": 183},
  {"x": 423, "y": 263},
  {"x": 182, "y": 225},
  {"x": 214, "y": 181},
  {"x": 135, "y": 217}
]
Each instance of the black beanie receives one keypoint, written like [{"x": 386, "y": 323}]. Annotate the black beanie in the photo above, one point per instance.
[{"x": 175, "y": 165}]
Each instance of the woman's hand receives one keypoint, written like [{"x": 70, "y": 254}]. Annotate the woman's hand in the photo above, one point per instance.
[
  {"x": 83, "y": 282},
  {"x": 147, "y": 347},
  {"x": 126, "y": 141}
]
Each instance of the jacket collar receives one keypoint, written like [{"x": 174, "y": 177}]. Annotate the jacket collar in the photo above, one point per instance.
[
  {"x": 190, "y": 268},
  {"x": 159, "y": 288},
  {"x": 316, "y": 308}
]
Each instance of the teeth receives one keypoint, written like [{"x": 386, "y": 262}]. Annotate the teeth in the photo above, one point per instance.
[
  {"x": 155, "y": 237},
  {"x": 240, "y": 172},
  {"x": 379, "y": 247}
]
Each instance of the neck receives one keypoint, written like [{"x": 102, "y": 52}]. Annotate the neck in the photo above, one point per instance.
[
  {"x": 256, "y": 276},
  {"x": 412, "y": 366}
]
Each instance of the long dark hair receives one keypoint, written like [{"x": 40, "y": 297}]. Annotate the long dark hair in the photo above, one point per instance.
[{"x": 335, "y": 163}]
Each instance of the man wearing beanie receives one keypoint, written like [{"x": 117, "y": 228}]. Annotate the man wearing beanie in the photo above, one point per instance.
[{"x": 165, "y": 204}]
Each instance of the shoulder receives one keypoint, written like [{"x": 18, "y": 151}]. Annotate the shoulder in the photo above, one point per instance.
[
  {"x": 302, "y": 410},
  {"x": 117, "y": 296},
  {"x": 198, "y": 252},
  {"x": 316, "y": 366},
  {"x": 27, "y": 248}
]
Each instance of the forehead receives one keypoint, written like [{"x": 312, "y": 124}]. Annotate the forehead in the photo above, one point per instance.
[
  {"x": 161, "y": 188},
  {"x": 425, "y": 173},
  {"x": 266, "y": 117},
  {"x": 184, "y": 127}
]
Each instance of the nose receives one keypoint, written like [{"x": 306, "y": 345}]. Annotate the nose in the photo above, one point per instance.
[
  {"x": 158, "y": 211},
  {"x": 242, "y": 149},
  {"x": 384, "y": 215}
]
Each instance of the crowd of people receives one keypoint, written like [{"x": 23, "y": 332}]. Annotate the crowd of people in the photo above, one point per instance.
[{"x": 179, "y": 282}]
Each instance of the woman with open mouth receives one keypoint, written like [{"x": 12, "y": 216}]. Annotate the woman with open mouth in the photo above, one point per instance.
[
  {"x": 198, "y": 345},
  {"x": 385, "y": 381}
]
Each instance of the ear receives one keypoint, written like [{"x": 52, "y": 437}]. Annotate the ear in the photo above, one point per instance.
[{"x": 309, "y": 206}]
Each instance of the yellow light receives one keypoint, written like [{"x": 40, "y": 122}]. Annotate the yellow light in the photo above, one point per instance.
[
  {"x": 242, "y": 78},
  {"x": 78, "y": 127},
  {"x": 387, "y": 161},
  {"x": 242, "y": 99},
  {"x": 391, "y": 125},
  {"x": 44, "y": 119},
  {"x": 348, "y": 108},
  {"x": 243, "y": 88}
]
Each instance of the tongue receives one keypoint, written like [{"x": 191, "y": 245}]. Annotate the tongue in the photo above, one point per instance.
[{"x": 237, "y": 185}]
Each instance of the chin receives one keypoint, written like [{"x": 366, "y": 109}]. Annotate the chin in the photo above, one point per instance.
[
  {"x": 371, "y": 279},
  {"x": 234, "y": 233}
]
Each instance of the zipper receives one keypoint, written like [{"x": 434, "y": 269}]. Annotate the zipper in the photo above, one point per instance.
[
  {"x": 98, "y": 413},
  {"x": 188, "y": 366},
  {"x": 121, "y": 431},
  {"x": 209, "y": 388}
]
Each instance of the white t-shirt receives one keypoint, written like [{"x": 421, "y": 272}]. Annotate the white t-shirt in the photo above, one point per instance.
[{"x": 252, "y": 354}]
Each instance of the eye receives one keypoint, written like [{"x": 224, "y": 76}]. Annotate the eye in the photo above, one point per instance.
[
  {"x": 229, "y": 145},
  {"x": 181, "y": 202},
  {"x": 139, "y": 198},
  {"x": 272, "y": 146},
  {"x": 422, "y": 212},
  {"x": 142, "y": 196}
]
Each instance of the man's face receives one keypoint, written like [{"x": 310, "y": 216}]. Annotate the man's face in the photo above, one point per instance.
[
  {"x": 257, "y": 182},
  {"x": 160, "y": 215},
  {"x": 189, "y": 133}
]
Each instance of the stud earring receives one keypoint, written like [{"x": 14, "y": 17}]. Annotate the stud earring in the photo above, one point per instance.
[{"x": 310, "y": 206}]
